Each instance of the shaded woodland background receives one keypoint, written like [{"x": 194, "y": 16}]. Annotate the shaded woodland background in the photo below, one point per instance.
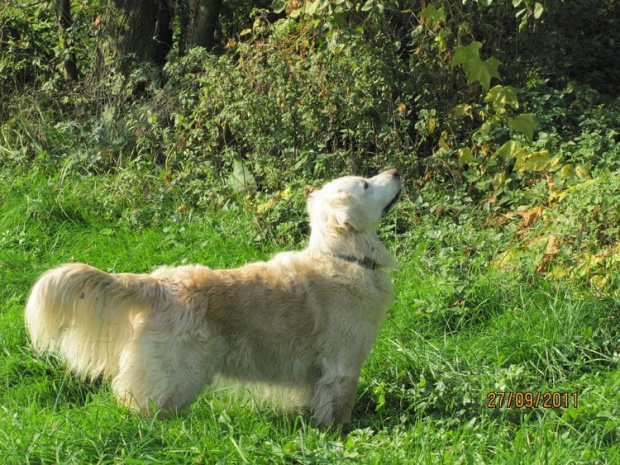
[{"x": 501, "y": 113}]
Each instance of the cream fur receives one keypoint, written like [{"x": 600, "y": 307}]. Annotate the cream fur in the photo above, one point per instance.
[{"x": 305, "y": 320}]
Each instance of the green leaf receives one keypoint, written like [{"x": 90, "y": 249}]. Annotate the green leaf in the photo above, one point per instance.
[
  {"x": 278, "y": 6},
  {"x": 442, "y": 39},
  {"x": 240, "y": 178},
  {"x": 464, "y": 29},
  {"x": 523, "y": 23},
  {"x": 465, "y": 156},
  {"x": 485, "y": 129},
  {"x": 429, "y": 12},
  {"x": 509, "y": 150},
  {"x": 524, "y": 124},
  {"x": 536, "y": 161},
  {"x": 312, "y": 7},
  {"x": 368, "y": 6},
  {"x": 538, "y": 10},
  {"x": 483, "y": 72},
  {"x": 433, "y": 16},
  {"x": 468, "y": 56},
  {"x": 500, "y": 97},
  {"x": 466, "y": 53}
]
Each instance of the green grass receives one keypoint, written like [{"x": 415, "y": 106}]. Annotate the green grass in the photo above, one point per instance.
[{"x": 458, "y": 330}]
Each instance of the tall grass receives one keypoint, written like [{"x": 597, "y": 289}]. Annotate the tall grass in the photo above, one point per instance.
[{"x": 458, "y": 331}]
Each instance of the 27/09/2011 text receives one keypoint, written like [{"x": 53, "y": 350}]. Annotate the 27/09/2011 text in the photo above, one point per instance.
[{"x": 529, "y": 399}]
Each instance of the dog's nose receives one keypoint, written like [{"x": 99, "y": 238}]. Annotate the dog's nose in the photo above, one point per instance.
[{"x": 394, "y": 173}]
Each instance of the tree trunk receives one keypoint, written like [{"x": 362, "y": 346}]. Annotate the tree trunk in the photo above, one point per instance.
[
  {"x": 163, "y": 32},
  {"x": 63, "y": 17},
  {"x": 202, "y": 19},
  {"x": 134, "y": 30}
]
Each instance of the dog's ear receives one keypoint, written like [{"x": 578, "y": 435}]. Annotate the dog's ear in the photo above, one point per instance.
[
  {"x": 343, "y": 215},
  {"x": 334, "y": 211}
]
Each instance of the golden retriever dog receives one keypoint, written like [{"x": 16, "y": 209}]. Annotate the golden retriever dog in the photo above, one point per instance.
[{"x": 303, "y": 320}]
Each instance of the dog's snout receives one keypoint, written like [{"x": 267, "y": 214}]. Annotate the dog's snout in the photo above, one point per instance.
[{"x": 394, "y": 173}]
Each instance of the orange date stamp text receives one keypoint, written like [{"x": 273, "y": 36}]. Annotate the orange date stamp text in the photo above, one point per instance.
[{"x": 529, "y": 399}]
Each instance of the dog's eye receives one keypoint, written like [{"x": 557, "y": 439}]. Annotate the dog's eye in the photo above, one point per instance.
[{"x": 365, "y": 185}]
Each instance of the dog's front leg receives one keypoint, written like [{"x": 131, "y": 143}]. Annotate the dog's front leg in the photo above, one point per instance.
[{"x": 333, "y": 399}]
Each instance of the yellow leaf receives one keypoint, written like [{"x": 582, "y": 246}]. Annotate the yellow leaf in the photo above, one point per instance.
[
  {"x": 554, "y": 191},
  {"x": 444, "y": 142},
  {"x": 536, "y": 161},
  {"x": 463, "y": 110},
  {"x": 599, "y": 281},
  {"x": 501, "y": 96},
  {"x": 555, "y": 161},
  {"x": 521, "y": 159},
  {"x": 583, "y": 171},
  {"x": 263, "y": 207},
  {"x": 509, "y": 150},
  {"x": 567, "y": 172},
  {"x": 286, "y": 193},
  {"x": 499, "y": 179},
  {"x": 245, "y": 32},
  {"x": 558, "y": 272}
]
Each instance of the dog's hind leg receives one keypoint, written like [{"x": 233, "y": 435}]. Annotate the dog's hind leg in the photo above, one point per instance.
[{"x": 161, "y": 375}]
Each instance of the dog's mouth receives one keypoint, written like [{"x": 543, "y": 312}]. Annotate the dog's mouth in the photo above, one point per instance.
[{"x": 387, "y": 208}]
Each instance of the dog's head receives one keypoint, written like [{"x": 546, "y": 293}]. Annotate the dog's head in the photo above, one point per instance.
[{"x": 353, "y": 203}]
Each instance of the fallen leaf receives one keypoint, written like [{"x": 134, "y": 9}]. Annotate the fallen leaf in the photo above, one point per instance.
[
  {"x": 553, "y": 245},
  {"x": 531, "y": 216},
  {"x": 553, "y": 248}
]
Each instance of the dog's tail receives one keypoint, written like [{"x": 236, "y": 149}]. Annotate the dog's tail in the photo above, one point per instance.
[{"x": 87, "y": 316}]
